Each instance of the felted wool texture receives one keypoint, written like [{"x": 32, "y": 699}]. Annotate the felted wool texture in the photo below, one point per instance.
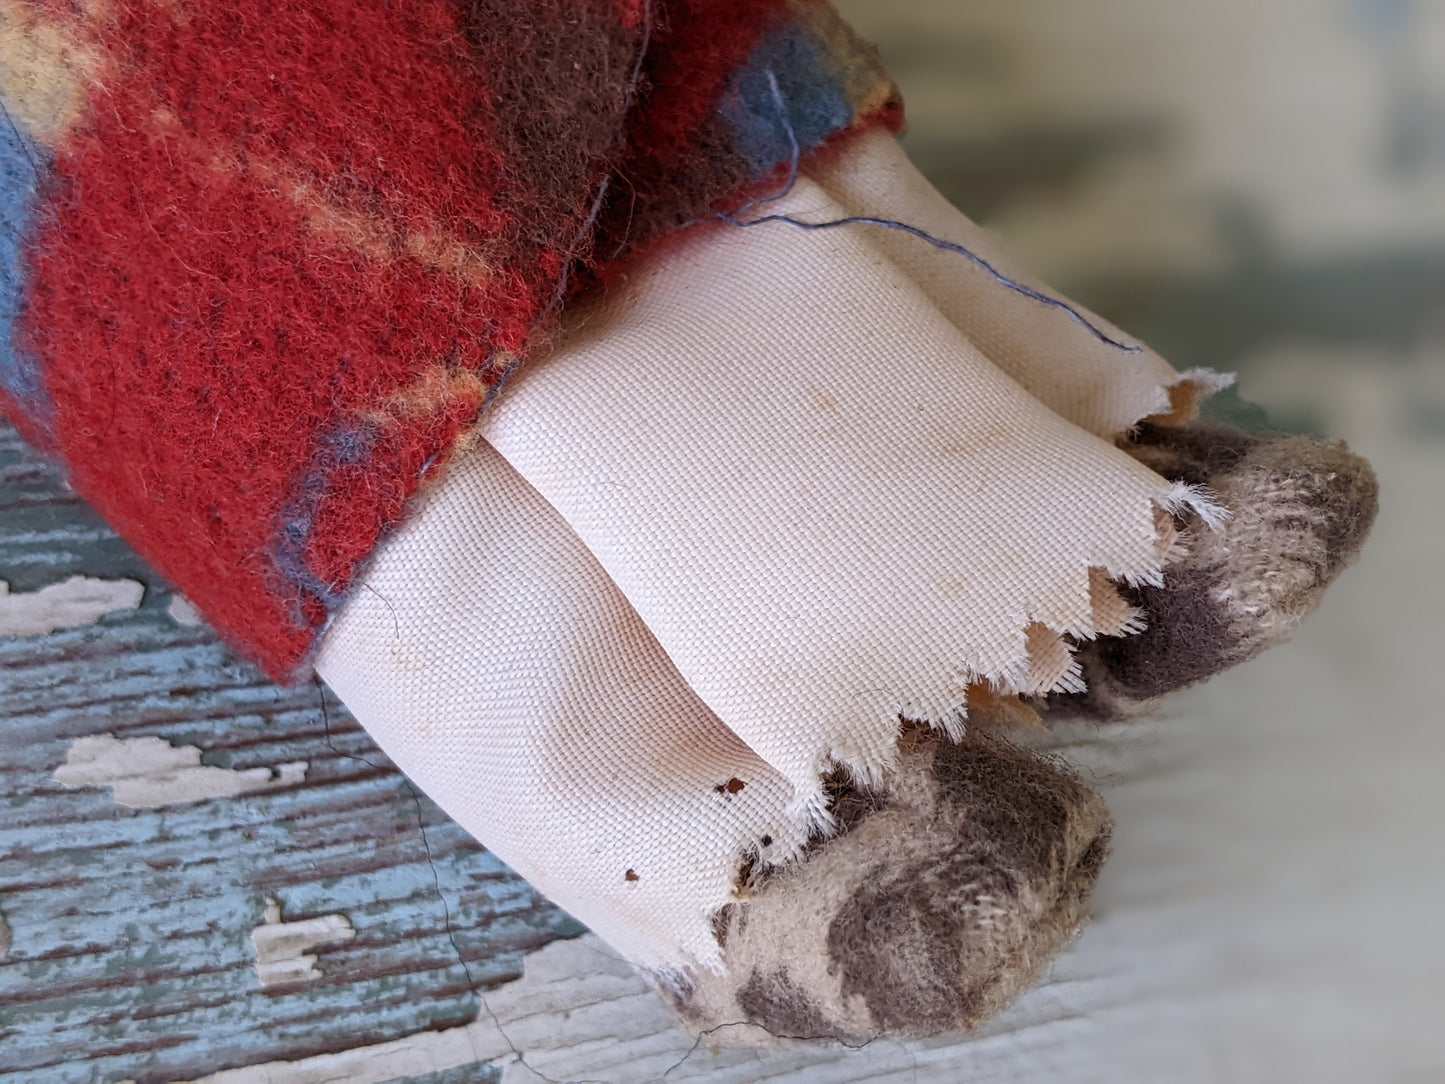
[
  {"x": 1091, "y": 383},
  {"x": 21, "y": 381},
  {"x": 496, "y": 664},
  {"x": 710, "y": 131},
  {"x": 266, "y": 262},
  {"x": 830, "y": 508},
  {"x": 1300, "y": 511},
  {"x": 945, "y": 892},
  {"x": 226, "y": 284}
]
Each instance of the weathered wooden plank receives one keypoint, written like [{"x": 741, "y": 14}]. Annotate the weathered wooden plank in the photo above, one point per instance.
[{"x": 128, "y": 948}]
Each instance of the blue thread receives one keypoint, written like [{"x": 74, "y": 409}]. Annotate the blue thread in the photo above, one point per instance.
[
  {"x": 20, "y": 171},
  {"x": 998, "y": 276},
  {"x": 343, "y": 446}
]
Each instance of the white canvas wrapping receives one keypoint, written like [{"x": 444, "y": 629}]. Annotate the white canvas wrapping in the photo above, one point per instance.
[
  {"x": 497, "y": 666},
  {"x": 827, "y": 505},
  {"x": 830, "y": 508}
]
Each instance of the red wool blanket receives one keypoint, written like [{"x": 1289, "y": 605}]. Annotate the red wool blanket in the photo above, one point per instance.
[{"x": 263, "y": 265}]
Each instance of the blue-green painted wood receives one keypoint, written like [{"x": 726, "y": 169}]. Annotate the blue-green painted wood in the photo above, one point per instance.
[{"x": 129, "y": 930}]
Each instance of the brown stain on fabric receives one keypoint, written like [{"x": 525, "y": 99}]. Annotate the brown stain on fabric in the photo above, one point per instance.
[{"x": 823, "y": 401}]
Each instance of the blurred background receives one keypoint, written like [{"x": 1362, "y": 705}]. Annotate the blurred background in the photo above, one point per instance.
[
  {"x": 1251, "y": 186},
  {"x": 1256, "y": 187}
]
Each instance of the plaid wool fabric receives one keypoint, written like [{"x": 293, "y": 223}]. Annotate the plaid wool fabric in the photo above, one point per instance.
[{"x": 262, "y": 265}]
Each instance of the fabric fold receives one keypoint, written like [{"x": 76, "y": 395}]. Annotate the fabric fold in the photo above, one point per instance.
[
  {"x": 493, "y": 660},
  {"x": 831, "y": 509}
]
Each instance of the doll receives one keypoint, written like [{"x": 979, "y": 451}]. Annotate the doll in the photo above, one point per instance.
[{"x": 678, "y": 489}]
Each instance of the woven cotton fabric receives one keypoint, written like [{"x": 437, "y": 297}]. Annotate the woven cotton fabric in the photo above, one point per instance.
[
  {"x": 864, "y": 507},
  {"x": 1076, "y": 375},
  {"x": 496, "y": 664},
  {"x": 832, "y": 510}
]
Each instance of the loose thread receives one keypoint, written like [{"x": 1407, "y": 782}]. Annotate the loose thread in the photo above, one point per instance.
[
  {"x": 795, "y": 155},
  {"x": 585, "y": 230},
  {"x": 734, "y": 219},
  {"x": 425, "y": 841}
]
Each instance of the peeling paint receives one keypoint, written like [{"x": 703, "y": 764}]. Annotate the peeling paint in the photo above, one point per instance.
[
  {"x": 183, "y": 612},
  {"x": 4, "y": 936},
  {"x": 77, "y": 601},
  {"x": 131, "y": 928},
  {"x": 149, "y": 772},
  {"x": 281, "y": 947}
]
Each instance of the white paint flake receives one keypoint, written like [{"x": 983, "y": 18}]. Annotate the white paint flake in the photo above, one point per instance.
[
  {"x": 150, "y": 772},
  {"x": 282, "y": 947},
  {"x": 77, "y": 601},
  {"x": 183, "y": 611}
]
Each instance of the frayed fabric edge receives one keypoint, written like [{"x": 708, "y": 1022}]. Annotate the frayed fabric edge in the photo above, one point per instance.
[
  {"x": 1183, "y": 396},
  {"x": 1173, "y": 501}
]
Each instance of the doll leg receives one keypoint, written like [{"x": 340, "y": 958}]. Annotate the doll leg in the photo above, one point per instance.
[
  {"x": 947, "y": 893},
  {"x": 830, "y": 511},
  {"x": 497, "y": 666},
  {"x": 497, "y": 662},
  {"x": 867, "y": 876},
  {"x": 1300, "y": 509},
  {"x": 494, "y": 661}
]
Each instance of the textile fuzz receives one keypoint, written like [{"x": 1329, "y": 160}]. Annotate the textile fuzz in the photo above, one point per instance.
[
  {"x": 945, "y": 892},
  {"x": 1300, "y": 511},
  {"x": 273, "y": 258}
]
